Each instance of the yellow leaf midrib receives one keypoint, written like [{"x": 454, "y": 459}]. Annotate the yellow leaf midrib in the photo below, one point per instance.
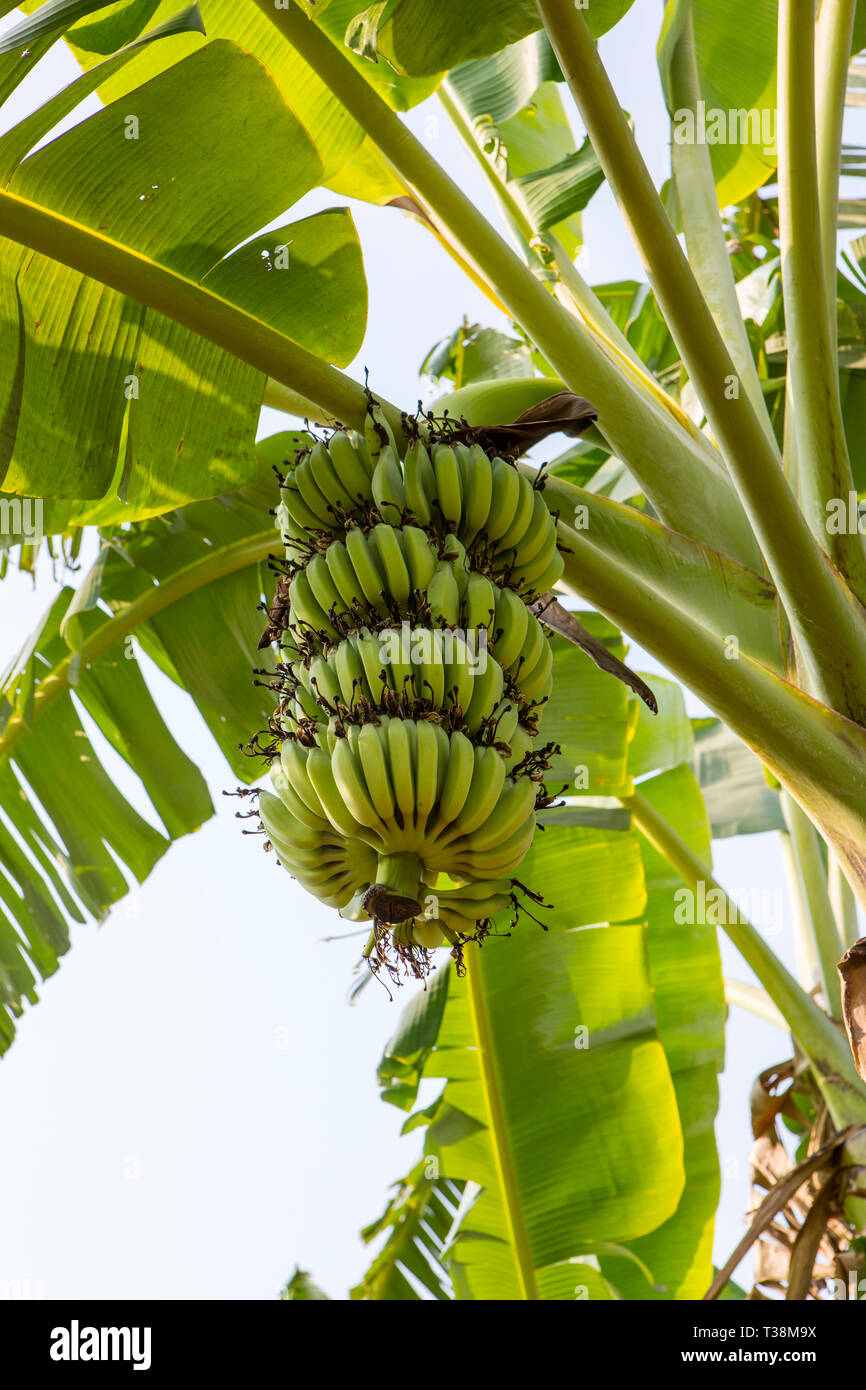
[{"x": 492, "y": 1091}]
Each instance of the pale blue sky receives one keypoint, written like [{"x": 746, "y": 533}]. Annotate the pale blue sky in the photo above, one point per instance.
[{"x": 192, "y": 1108}]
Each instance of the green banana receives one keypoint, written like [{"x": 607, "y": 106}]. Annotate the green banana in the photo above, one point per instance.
[
  {"x": 401, "y": 768},
  {"x": 303, "y": 704},
  {"x": 349, "y": 468},
  {"x": 537, "y": 682},
  {"x": 427, "y": 933},
  {"x": 531, "y": 649},
  {"x": 487, "y": 687},
  {"x": 288, "y": 826},
  {"x": 293, "y": 760},
  {"x": 325, "y": 475},
  {"x": 324, "y": 589},
  {"x": 323, "y": 680},
  {"x": 510, "y": 623},
  {"x": 552, "y": 575},
  {"x": 520, "y": 743},
  {"x": 350, "y": 672},
  {"x": 302, "y": 516},
  {"x": 449, "y": 489},
  {"x": 306, "y": 612},
  {"x": 458, "y": 781},
  {"x": 419, "y": 482},
  {"x": 539, "y": 573},
  {"x": 353, "y": 788},
  {"x": 459, "y": 678},
  {"x": 515, "y": 803},
  {"x": 426, "y": 771},
  {"x": 443, "y": 596},
  {"x": 377, "y": 776},
  {"x": 419, "y": 554},
  {"x": 319, "y": 505},
  {"x": 538, "y": 533},
  {"x": 505, "y": 719},
  {"x": 359, "y": 444},
  {"x": 321, "y": 774},
  {"x": 479, "y": 602},
  {"x": 526, "y": 574},
  {"x": 443, "y": 746},
  {"x": 397, "y": 659},
  {"x": 454, "y": 553},
  {"x": 387, "y": 486},
  {"x": 477, "y": 480},
  {"x": 504, "y": 858},
  {"x": 370, "y": 578},
  {"x": 506, "y": 497},
  {"x": 462, "y": 916},
  {"x": 287, "y": 794},
  {"x": 488, "y": 777},
  {"x": 343, "y": 576},
  {"x": 473, "y": 891},
  {"x": 522, "y": 517},
  {"x": 387, "y": 548},
  {"x": 369, "y": 650},
  {"x": 430, "y": 681}
]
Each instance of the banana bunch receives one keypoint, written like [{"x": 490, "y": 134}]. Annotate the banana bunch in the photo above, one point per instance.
[
  {"x": 330, "y": 481},
  {"x": 402, "y": 668},
  {"x": 407, "y": 776},
  {"x": 390, "y": 569},
  {"x": 446, "y": 668},
  {"x": 323, "y": 861},
  {"x": 370, "y": 572},
  {"x": 407, "y": 787},
  {"x": 487, "y": 503},
  {"x": 451, "y": 489}
]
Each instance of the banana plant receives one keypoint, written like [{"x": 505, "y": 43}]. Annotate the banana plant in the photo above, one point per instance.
[{"x": 711, "y": 513}]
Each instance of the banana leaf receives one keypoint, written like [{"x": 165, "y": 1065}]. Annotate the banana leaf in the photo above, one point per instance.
[
  {"x": 418, "y": 1222},
  {"x": 562, "y": 1111},
  {"x": 87, "y": 373},
  {"x": 537, "y": 1218},
  {"x": 184, "y": 589},
  {"x": 424, "y": 39}
]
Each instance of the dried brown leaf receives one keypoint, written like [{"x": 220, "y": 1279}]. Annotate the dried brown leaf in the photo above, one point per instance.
[
  {"x": 852, "y": 973},
  {"x": 559, "y": 620}
]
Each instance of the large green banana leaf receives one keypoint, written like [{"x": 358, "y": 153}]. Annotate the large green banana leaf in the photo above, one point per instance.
[
  {"x": 572, "y": 1134},
  {"x": 185, "y": 589},
  {"x": 351, "y": 164},
  {"x": 685, "y": 970},
  {"x": 735, "y": 48},
  {"x": 336, "y": 135},
  {"x": 87, "y": 371},
  {"x": 420, "y": 38},
  {"x": 561, "y": 1110},
  {"x": 25, "y": 44},
  {"x": 105, "y": 399},
  {"x": 603, "y": 1009},
  {"x": 71, "y": 823},
  {"x": 511, "y": 104}
]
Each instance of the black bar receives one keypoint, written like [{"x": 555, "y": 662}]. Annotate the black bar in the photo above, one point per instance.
[{"x": 57, "y": 1338}]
